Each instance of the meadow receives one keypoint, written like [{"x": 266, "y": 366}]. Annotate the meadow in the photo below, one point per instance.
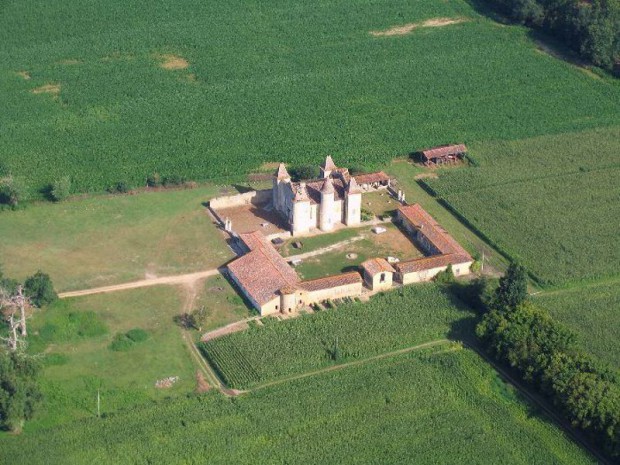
[
  {"x": 389, "y": 321},
  {"x": 447, "y": 407},
  {"x": 550, "y": 202},
  {"x": 109, "y": 91},
  {"x": 102, "y": 240},
  {"x": 75, "y": 338},
  {"x": 593, "y": 313}
]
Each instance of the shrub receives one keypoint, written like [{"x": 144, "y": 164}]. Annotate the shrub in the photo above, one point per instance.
[
  {"x": 121, "y": 343},
  {"x": 39, "y": 289},
  {"x": 60, "y": 189},
  {"x": 137, "y": 335},
  {"x": 153, "y": 180},
  {"x": 446, "y": 276},
  {"x": 302, "y": 172},
  {"x": 12, "y": 191},
  {"x": 366, "y": 215},
  {"x": 174, "y": 180}
]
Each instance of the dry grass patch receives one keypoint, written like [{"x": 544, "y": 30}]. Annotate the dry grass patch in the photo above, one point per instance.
[
  {"x": 69, "y": 61},
  {"x": 172, "y": 62},
  {"x": 53, "y": 89},
  {"x": 408, "y": 28},
  {"x": 24, "y": 74}
]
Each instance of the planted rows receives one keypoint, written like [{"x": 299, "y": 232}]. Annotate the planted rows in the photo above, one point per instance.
[
  {"x": 390, "y": 321},
  {"x": 420, "y": 408}
]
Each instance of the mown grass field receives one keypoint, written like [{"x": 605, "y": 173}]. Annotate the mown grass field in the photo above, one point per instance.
[
  {"x": 75, "y": 336},
  {"x": 390, "y": 321},
  {"x": 550, "y": 202},
  {"x": 593, "y": 312},
  {"x": 85, "y": 94},
  {"x": 421, "y": 408},
  {"x": 102, "y": 240}
]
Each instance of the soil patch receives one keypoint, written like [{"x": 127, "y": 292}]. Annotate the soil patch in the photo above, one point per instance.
[
  {"x": 24, "y": 74},
  {"x": 47, "y": 89},
  {"x": 172, "y": 62},
  {"x": 408, "y": 28}
]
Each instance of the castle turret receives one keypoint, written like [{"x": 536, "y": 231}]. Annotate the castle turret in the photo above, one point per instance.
[
  {"x": 326, "y": 222},
  {"x": 353, "y": 203},
  {"x": 280, "y": 178},
  {"x": 301, "y": 210},
  {"x": 327, "y": 167}
]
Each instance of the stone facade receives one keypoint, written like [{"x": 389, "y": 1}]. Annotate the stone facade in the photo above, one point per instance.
[{"x": 334, "y": 199}]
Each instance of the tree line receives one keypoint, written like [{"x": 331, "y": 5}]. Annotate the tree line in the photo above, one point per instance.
[
  {"x": 544, "y": 353},
  {"x": 589, "y": 27},
  {"x": 19, "y": 390}
]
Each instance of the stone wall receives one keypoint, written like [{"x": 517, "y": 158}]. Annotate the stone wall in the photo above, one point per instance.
[{"x": 247, "y": 198}]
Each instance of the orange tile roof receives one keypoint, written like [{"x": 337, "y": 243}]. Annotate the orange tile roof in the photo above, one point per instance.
[
  {"x": 428, "y": 263},
  {"x": 331, "y": 281},
  {"x": 430, "y": 229},
  {"x": 375, "y": 266},
  {"x": 370, "y": 178},
  {"x": 262, "y": 272}
]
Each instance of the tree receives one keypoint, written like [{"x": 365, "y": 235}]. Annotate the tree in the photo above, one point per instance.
[
  {"x": 39, "y": 289},
  {"x": 299, "y": 173},
  {"x": 19, "y": 391},
  {"x": 512, "y": 290},
  {"x": 60, "y": 189},
  {"x": 12, "y": 191}
]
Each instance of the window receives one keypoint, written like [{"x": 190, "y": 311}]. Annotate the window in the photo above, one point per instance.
[
  {"x": 276, "y": 307},
  {"x": 382, "y": 278}
]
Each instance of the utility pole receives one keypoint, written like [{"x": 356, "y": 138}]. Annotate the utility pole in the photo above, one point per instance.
[{"x": 98, "y": 404}]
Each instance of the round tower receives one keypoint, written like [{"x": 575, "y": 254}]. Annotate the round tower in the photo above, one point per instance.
[
  {"x": 301, "y": 210},
  {"x": 280, "y": 177},
  {"x": 326, "y": 220},
  {"x": 353, "y": 200}
]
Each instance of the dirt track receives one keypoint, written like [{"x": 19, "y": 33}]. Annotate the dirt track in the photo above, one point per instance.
[{"x": 186, "y": 279}]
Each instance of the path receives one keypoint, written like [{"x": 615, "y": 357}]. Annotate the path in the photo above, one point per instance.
[
  {"x": 186, "y": 279},
  {"x": 324, "y": 250}
]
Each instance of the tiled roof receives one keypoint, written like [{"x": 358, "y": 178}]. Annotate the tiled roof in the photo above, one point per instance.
[
  {"x": 353, "y": 187},
  {"x": 331, "y": 281},
  {"x": 262, "y": 272},
  {"x": 443, "y": 151},
  {"x": 313, "y": 188},
  {"x": 369, "y": 178},
  {"x": 376, "y": 265},
  {"x": 328, "y": 186},
  {"x": 428, "y": 263},
  {"x": 301, "y": 193},
  {"x": 428, "y": 227}
]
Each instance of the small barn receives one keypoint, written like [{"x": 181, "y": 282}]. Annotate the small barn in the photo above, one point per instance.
[
  {"x": 378, "y": 274},
  {"x": 443, "y": 154}
]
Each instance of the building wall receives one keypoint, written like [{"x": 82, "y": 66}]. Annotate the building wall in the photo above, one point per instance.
[
  {"x": 374, "y": 282},
  {"x": 247, "y": 198},
  {"x": 271, "y": 307},
  {"x": 349, "y": 290},
  {"x": 353, "y": 211},
  {"x": 460, "y": 269},
  {"x": 301, "y": 217}
]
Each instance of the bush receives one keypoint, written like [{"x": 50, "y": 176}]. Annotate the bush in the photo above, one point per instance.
[
  {"x": 39, "y": 289},
  {"x": 125, "y": 341},
  {"x": 60, "y": 189},
  {"x": 153, "y": 180},
  {"x": 174, "y": 180},
  {"x": 446, "y": 276},
  {"x": 12, "y": 191},
  {"x": 137, "y": 335},
  {"x": 366, "y": 215},
  {"x": 121, "y": 343}
]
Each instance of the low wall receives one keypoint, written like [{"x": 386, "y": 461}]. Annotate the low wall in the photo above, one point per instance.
[{"x": 247, "y": 198}]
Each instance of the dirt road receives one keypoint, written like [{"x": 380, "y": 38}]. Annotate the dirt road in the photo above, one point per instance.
[{"x": 186, "y": 279}]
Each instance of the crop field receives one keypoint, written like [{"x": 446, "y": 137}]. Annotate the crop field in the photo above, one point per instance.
[
  {"x": 448, "y": 408},
  {"x": 107, "y": 90},
  {"x": 102, "y": 240},
  {"x": 593, "y": 312},
  {"x": 76, "y": 336},
  {"x": 550, "y": 202},
  {"x": 390, "y": 321}
]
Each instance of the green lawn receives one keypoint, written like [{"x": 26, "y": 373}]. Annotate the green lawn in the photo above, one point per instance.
[
  {"x": 421, "y": 408},
  {"x": 550, "y": 202},
  {"x": 267, "y": 82},
  {"x": 223, "y": 303},
  {"x": 103, "y": 240},
  {"x": 593, "y": 312},
  {"x": 75, "y": 335}
]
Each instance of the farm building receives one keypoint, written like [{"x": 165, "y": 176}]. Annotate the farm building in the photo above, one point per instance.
[
  {"x": 334, "y": 199},
  {"x": 442, "y": 249},
  {"x": 272, "y": 286},
  {"x": 444, "y": 154},
  {"x": 378, "y": 273}
]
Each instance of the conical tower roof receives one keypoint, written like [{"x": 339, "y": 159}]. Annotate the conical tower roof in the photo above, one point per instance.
[
  {"x": 281, "y": 172},
  {"x": 328, "y": 164},
  {"x": 328, "y": 186},
  {"x": 301, "y": 193},
  {"x": 353, "y": 187}
]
